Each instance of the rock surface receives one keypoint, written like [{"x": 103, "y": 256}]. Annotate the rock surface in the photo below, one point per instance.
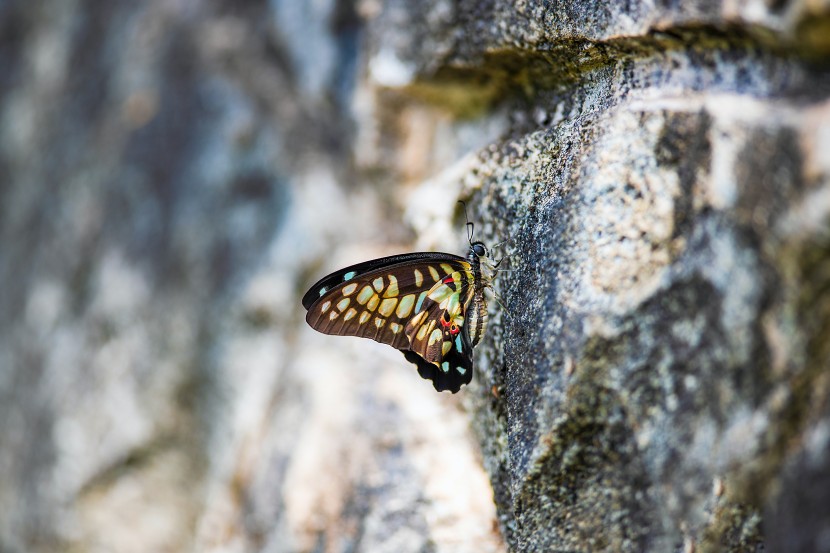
[{"x": 175, "y": 174}]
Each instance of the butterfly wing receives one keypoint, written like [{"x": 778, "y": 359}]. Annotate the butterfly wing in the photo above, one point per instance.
[
  {"x": 413, "y": 302},
  {"x": 438, "y": 335},
  {"x": 366, "y": 268}
]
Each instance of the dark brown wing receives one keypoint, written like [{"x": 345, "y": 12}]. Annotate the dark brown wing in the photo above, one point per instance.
[
  {"x": 336, "y": 278},
  {"x": 380, "y": 303}
]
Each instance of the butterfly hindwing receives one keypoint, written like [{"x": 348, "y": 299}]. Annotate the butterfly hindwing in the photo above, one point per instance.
[
  {"x": 451, "y": 379},
  {"x": 439, "y": 341}
]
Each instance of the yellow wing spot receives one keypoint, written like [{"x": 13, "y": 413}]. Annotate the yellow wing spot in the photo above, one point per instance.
[
  {"x": 349, "y": 290},
  {"x": 445, "y": 348},
  {"x": 416, "y": 320},
  {"x": 379, "y": 322},
  {"x": 422, "y": 332},
  {"x": 378, "y": 284},
  {"x": 433, "y": 272},
  {"x": 387, "y": 306},
  {"x": 364, "y": 317},
  {"x": 349, "y": 314},
  {"x": 454, "y": 304},
  {"x": 325, "y": 307},
  {"x": 441, "y": 293},
  {"x": 405, "y": 306},
  {"x": 392, "y": 289},
  {"x": 365, "y": 293},
  {"x": 419, "y": 278},
  {"x": 373, "y": 303},
  {"x": 447, "y": 268},
  {"x": 333, "y": 315},
  {"x": 430, "y": 326},
  {"x": 395, "y": 328},
  {"x": 343, "y": 304},
  {"x": 434, "y": 336}
]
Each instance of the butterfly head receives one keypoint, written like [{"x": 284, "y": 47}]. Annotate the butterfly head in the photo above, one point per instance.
[
  {"x": 483, "y": 267},
  {"x": 478, "y": 255}
]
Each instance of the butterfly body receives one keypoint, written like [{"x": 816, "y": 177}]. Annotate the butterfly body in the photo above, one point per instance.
[{"x": 428, "y": 305}]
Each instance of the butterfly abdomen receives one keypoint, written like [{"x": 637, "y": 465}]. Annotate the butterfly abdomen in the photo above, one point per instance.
[
  {"x": 477, "y": 310},
  {"x": 477, "y": 317}
]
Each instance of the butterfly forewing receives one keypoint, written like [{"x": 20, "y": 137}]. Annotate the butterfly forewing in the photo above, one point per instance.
[
  {"x": 337, "y": 278},
  {"x": 439, "y": 341},
  {"x": 379, "y": 303}
]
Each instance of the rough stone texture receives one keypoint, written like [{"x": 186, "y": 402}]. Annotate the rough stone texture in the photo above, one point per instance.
[
  {"x": 661, "y": 364},
  {"x": 664, "y": 344},
  {"x": 660, "y": 368},
  {"x": 175, "y": 174}
]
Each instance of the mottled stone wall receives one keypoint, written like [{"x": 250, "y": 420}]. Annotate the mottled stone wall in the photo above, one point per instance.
[
  {"x": 659, "y": 377},
  {"x": 176, "y": 174}
]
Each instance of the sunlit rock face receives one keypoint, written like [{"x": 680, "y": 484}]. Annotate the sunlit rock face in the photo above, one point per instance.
[{"x": 175, "y": 175}]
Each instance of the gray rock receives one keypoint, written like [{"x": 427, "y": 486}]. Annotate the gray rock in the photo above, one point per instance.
[
  {"x": 652, "y": 356},
  {"x": 176, "y": 174}
]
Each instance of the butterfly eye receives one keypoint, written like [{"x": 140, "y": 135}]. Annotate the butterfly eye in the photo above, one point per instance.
[{"x": 479, "y": 249}]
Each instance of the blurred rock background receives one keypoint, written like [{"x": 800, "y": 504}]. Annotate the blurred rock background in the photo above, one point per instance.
[{"x": 175, "y": 173}]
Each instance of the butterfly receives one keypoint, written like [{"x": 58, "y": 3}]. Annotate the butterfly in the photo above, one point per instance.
[{"x": 428, "y": 305}]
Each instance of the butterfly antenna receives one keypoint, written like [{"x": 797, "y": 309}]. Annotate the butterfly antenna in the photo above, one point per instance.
[{"x": 470, "y": 226}]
